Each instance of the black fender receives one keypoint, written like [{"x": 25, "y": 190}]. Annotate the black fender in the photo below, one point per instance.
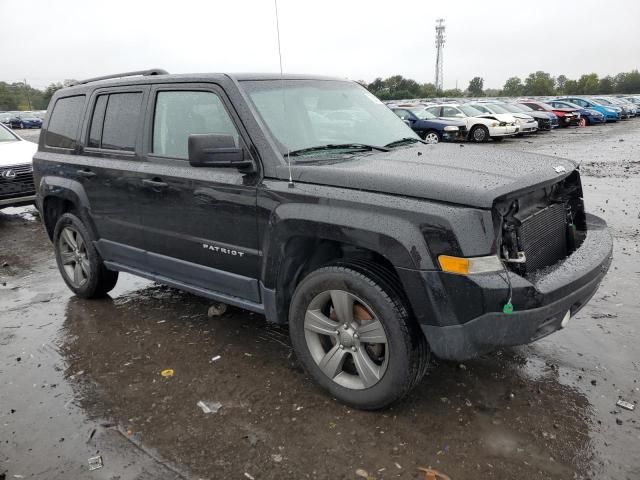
[
  {"x": 392, "y": 237},
  {"x": 70, "y": 190}
]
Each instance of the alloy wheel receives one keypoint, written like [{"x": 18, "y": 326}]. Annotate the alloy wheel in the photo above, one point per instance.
[
  {"x": 346, "y": 339},
  {"x": 431, "y": 137},
  {"x": 74, "y": 257}
]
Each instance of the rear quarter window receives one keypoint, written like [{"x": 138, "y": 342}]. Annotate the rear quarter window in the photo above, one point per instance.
[{"x": 65, "y": 119}]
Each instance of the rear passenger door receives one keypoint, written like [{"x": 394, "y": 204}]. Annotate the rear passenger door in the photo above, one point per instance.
[
  {"x": 199, "y": 222},
  {"x": 111, "y": 157}
]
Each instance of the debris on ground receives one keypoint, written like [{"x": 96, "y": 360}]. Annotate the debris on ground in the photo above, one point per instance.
[
  {"x": 209, "y": 407},
  {"x": 360, "y": 472},
  {"x": 619, "y": 421},
  {"x": 215, "y": 359},
  {"x": 249, "y": 476},
  {"x": 626, "y": 405},
  {"x": 95, "y": 463},
  {"x": 167, "y": 373},
  {"x": 430, "y": 474},
  {"x": 276, "y": 457},
  {"x": 217, "y": 310}
]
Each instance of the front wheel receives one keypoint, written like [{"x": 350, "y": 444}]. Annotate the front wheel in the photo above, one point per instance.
[
  {"x": 352, "y": 332},
  {"x": 479, "y": 134},
  {"x": 78, "y": 260},
  {"x": 431, "y": 136}
]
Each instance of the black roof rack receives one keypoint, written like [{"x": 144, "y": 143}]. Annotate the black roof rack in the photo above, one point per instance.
[{"x": 144, "y": 73}]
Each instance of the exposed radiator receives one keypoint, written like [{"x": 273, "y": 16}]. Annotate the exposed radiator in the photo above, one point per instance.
[{"x": 543, "y": 237}]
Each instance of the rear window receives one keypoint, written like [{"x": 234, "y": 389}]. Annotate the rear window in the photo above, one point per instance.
[
  {"x": 114, "y": 122},
  {"x": 64, "y": 122}
]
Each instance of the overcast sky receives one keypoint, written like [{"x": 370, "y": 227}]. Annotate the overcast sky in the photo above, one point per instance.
[{"x": 50, "y": 41}]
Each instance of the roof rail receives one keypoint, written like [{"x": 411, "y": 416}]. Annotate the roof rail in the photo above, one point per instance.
[{"x": 144, "y": 73}]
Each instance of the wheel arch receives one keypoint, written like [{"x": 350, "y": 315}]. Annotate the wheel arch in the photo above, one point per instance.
[
  {"x": 296, "y": 246},
  {"x": 61, "y": 195}
]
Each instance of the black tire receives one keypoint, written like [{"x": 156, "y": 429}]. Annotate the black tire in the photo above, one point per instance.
[
  {"x": 479, "y": 134},
  {"x": 406, "y": 350},
  {"x": 98, "y": 279}
]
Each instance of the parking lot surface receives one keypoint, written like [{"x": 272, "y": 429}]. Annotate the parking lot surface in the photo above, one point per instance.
[{"x": 82, "y": 378}]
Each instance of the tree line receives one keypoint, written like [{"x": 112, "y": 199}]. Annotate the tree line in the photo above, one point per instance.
[
  {"x": 22, "y": 96},
  {"x": 537, "y": 83}
]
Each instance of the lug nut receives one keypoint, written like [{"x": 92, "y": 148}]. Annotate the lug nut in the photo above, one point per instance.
[
  {"x": 355, "y": 335},
  {"x": 353, "y": 349},
  {"x": 341, "y": 346}
]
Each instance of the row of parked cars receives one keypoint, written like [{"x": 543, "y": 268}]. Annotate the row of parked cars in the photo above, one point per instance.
[
  {"x": 481, "y": 120},
  {"x": 31, "y": 119}
]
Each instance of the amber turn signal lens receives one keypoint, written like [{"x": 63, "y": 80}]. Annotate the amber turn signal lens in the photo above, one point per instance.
[{"x": 467, "y": 266}]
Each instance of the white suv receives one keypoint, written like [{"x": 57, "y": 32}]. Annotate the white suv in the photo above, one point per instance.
[{"x": 16, "y": 170}]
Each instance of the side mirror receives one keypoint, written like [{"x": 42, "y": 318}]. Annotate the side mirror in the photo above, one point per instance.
[
  {"x": 409, "y": 121},
  {"x": 216, "y": 150}
]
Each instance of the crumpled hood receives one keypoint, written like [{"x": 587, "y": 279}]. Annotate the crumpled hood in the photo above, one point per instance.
[
  {"x": 471, "y": 175},
  {"x": 15, "y": 153}
]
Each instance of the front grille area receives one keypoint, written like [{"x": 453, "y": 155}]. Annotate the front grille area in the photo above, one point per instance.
[
  {"x": 19, "y": 186},
  {"x": 543, "y": 237}
]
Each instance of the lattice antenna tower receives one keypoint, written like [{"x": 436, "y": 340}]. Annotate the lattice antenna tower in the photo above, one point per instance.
[{"x": 440, "y": 39}]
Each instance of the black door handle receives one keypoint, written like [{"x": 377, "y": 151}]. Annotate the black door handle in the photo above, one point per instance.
[
  {"x": 156, "y": 184},
  {"x": 86, "y": 173}
]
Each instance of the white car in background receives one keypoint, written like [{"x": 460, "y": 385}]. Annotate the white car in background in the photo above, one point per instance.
[
  {"x": 16, "y": 170},
  {"x": 481, "y": 126},
  {"x": 526, "y": 122}
]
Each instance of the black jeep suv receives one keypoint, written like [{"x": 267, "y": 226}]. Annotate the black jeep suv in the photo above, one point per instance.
[{"x": 374, "y": 247}]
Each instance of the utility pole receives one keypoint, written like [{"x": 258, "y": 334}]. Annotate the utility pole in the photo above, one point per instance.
[
  {"x": 440, "y": 39},
  {"x": 26, "y": 89}
]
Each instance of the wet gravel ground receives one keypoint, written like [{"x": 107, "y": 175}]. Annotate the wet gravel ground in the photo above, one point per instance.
[{"x": 82, "y": 378}]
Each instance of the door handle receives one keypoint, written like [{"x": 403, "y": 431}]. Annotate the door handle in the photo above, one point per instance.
[
  {"x": 155, "y": 184},
  {"x": 86, "y": 173}
]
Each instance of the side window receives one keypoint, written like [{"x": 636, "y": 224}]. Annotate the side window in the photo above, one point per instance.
[
  {"x": 434, "y": 110},
  {"x": 97, "y": 119},
  {"x": 115, "y": 121},
  {"x": 580, "y": 102},
  {"x": 403, "y": 114},
  {"x": 481, "y": 108},
  {"x": 64, "y": 122},
  {"x": 121, "y": 120},
  {"x": 450, "y": 112},
  {"x": 179, "y": 114}
]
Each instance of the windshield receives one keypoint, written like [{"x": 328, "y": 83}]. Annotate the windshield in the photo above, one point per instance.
[
  {"x": 7, "y": 136},
  {"x": 523, "y": 108},
  {"x": 422, "y": 113},
  {"x": 509, "y": 108},
  {"x": 604, "y": 101},
  {"x": 310, "y": 113},
  {"x": 497, "y": 108},
  {"x": 470, "y": 111}
]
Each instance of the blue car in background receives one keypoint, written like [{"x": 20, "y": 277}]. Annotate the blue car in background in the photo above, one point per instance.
[
  {"x": 611, "y": 114},
  {"x": 591, "y": 117},
  {"x": 429, "y": 127}
]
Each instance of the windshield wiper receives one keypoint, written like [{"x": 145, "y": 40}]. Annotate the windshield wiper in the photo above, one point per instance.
[
  {"x": 404, "y": 140},
  {"x": 340, "y": 146}
]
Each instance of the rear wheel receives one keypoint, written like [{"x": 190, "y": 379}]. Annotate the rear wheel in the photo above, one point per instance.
[
  {"x": 479, "y": 134},
  {"x": 353, "y": 334},
  {"x": 78, "y": 260}
]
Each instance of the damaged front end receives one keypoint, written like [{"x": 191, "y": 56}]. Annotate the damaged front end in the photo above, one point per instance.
[{"x": 540, "y": 228}]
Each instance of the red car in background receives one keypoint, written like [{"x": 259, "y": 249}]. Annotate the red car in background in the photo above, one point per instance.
[{"x": 566, "y": 116}]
